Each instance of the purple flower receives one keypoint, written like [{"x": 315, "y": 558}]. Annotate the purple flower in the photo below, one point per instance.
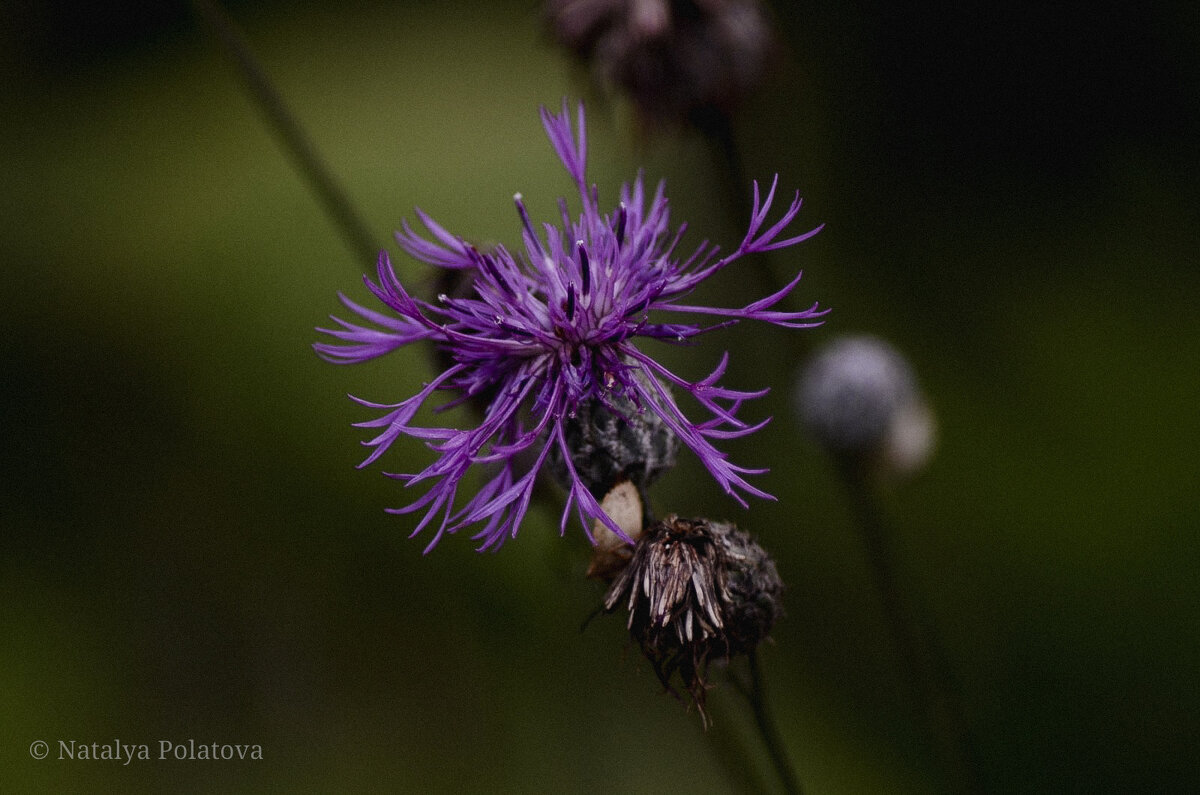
[{"x": 549, "y": 329}]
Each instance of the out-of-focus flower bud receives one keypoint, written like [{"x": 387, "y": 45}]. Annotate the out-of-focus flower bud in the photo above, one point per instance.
[
  {"x": 696, "y": 591},
  {"x": 859, "y": 399}
]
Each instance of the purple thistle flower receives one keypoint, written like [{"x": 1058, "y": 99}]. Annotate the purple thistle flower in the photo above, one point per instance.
[{"x": 551, "y": 328}]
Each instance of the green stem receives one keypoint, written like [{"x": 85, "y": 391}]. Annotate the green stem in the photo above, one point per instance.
[{"x": 289, "y": 132}]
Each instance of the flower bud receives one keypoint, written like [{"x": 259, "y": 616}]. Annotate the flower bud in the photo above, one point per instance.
[
  {"x": 859, "y": 399},
  {"x": 611, "y": 553},
  {"x": 696, "y": 591},
  {"x": 609, "y": 445}
]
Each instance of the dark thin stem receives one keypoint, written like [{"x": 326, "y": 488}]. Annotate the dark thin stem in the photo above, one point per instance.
[
  {"x": 718, "y": 129},
  {"x": 768, "y": 730},
  {"x": 920, "y": 653},
  {"x": 289, "y": 132},
  {"x": 731, "y": 748}
]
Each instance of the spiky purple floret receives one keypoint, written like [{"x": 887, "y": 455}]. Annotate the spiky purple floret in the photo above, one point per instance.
[{"x": 553, "y": 326}]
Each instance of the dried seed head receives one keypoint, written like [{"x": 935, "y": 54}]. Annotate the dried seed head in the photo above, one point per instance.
[
  {"x": 696, "y": 591},
  {"x": 752, "y": 590},
  {"x": 859, "y": 399},
  {"x": 679, "y": 60}
]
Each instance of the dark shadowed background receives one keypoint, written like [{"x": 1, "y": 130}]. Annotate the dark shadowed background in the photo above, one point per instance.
[{"x": 1011, "y": 196}]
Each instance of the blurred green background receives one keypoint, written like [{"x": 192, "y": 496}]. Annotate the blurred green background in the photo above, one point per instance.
[{"x": 186, "y": 550}]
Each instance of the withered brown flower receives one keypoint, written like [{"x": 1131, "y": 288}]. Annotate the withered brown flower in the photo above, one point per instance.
[
  {"x": 679, "y": 60},
  {"x": 696, "y": 591}
]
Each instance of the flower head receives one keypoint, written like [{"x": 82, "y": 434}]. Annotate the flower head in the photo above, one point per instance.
[{"x": 549, "y": 330}]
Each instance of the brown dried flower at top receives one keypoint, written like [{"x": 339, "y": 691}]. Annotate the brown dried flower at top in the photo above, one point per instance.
[{"x": 680, "y": 60}]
